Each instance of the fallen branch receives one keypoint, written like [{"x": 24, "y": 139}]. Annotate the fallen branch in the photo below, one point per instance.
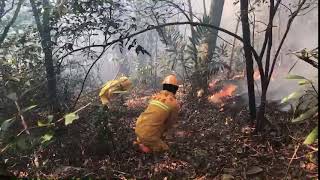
[
  {"x": 23, "y": 122},
  {"x": 53, "y": 124},
  {"x": 294, "y": 154}
]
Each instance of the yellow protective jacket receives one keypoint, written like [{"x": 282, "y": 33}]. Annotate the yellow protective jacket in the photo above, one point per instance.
[
  {"x": 117, "y": 86},
  {"x": 160, "y": 115}
]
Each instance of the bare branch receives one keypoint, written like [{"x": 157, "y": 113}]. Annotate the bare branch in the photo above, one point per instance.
[
  {"x": 266, "y": 38},
  {"x": 161, "y": 26},
  {"x": 285, "y": 6},
  {"x": 285, "y": 36},
  {"x": 23, "y": 122},
  {"x": 2, "y": 7},
  {"x": 87, "y": 75},
  {"x": 179, "y": 8},
  {"x": 269, "y": 34},
  {"x": 36, "y": 16},
  {"x": 7, "y": 28}
]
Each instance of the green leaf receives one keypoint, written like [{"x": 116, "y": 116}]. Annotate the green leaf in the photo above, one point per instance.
[
  {"x": 292, "y": 76},
  {"x": 311, "y": 138},
  {"x": 13, "y": 96},
  {"x": 69, "y": 118},
  {"x": 22, "y": 143},
  {"x": 291, "y": 96},
  {"x": 47, "y": 137},
  {"x": 6, "y": 124},
  {"x": 42, "y": 123},
  {"x": 28, "y": 83},
  {"x": 14, "y": 79},
  {"x": 29, "y": 108},
  {"x": 50, "y": 118},
  {"x": 304, "y": 82},
  {"x": 306, "y": 115}
]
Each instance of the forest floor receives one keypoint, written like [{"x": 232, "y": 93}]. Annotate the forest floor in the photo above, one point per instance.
[{"x": 207, "y": 144}]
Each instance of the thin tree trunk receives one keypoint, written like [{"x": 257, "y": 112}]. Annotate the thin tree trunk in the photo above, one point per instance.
[
  {"x": 232, "y": 50},
  {"x": 262, "y": 109},
  {"x": 155, "y": 63},
  {"x": 204, "y": 8},
  {"x": 191, "y": 18},
  {"x": 216, "y": 9},
  {"x": 248, "y": 56},
  {"x": 197, "y": 79}
]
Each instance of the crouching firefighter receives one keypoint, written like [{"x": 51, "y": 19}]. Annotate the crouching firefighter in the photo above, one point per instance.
[{"x": 160, "y": 115}]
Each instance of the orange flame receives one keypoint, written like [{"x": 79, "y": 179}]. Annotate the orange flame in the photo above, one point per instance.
[
  {"x": 213, "y": 83},
  {"x": 256, "y": 75},
  {"x": 227, "y": 91}
]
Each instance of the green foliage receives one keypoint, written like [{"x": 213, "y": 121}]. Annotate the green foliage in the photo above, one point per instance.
[
  {"x": 69, "y": 118},
  {"x": 29, "y": 108},
  {"x": 306, "y": 115},
  {"x": 297, "y": 77},
  {"x": 12, "y": 96},
  {"x": 6, "y": 124},
  {"x": 186, "y": 52},
  {"x": 294, "y": 95},
  {"x": 43, "y": 123},
  {"x": 47, "y": 137},
  {"x": 22, "y": 70},
  {"x": 312, "y": 137},
  {"x": 306, "y": 102}
]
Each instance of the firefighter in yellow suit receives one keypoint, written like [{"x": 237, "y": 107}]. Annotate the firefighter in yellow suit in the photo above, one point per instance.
[
  {"x": 160, "y": 115},
  {"x": 114, "y": 87}
]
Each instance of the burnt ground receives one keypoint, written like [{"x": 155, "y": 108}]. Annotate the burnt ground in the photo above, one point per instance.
[{"x": 207, "y": 144}]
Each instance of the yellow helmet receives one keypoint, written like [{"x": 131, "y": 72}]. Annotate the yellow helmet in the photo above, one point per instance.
[
  {"x": 171, "y": 79},
  {"x": 125, "y": 82}
]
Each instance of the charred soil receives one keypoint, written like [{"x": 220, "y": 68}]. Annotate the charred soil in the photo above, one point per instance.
[{"x": 208, "y": 143}]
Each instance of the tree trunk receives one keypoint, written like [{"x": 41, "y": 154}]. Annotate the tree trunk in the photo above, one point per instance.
[
  {"x": 204, "y": 8},
  {"x": 201, "y": 76},
  {"x": 216, "y": 9},
  {"x": 232, "y": 51},
  {"x": 154, "y": 65},
  {"x": 44, "y": 31},
  {"x": 197, "y": 80},
  {"x": 191, "y": 18},
  {"x": 47, "y": 49},
  {"x": 248, "y": 56},
  {"x": 262, "y": 109}
]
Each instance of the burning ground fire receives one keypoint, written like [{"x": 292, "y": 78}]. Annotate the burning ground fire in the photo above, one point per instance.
[{"x": 226, "y": 92}]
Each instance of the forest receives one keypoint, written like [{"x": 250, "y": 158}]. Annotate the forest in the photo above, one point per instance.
[{"x": 159, "y": 89}]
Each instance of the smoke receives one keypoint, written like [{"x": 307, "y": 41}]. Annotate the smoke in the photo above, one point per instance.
[{"x": 303, "y": 34}]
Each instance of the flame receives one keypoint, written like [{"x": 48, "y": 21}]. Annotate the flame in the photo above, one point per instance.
[
  {"x": 213, "y": 83},
  {"x": 238, "y": 77},
  {"x": 227, "y": 91},
  {"x": 256, "y": 75}
]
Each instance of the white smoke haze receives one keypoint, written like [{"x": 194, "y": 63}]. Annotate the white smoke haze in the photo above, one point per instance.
[{"x": 303, "y": 34}]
